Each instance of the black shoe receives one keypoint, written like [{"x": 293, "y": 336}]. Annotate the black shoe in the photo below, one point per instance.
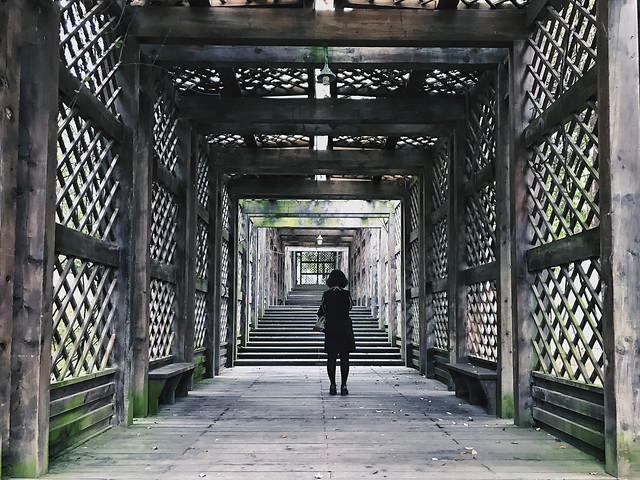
[
  {"x": 332, "y": 390},
  {"x": 343, "y": 390}
]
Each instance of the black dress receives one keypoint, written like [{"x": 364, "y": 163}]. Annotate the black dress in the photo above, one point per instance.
[{"x": 338, "y": 331}]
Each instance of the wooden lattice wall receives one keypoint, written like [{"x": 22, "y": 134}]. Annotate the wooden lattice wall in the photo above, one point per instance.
[
  {"x": 89, "y": 287},
  {"x": 436, "y": 223},
  {"x": 562, "y": 179}
]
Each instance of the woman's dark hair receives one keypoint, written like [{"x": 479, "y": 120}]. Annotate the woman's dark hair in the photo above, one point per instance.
[{"x": 337, "y": 279}]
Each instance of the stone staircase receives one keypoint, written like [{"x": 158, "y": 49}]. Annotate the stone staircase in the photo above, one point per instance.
[{"x": 285, "y": 337}]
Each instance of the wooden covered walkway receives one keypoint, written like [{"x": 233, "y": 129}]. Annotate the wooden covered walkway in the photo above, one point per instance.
[{"x": 280, "y": 422}]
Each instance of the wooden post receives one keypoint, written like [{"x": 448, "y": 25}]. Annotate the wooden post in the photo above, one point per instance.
[
  {"x": 504, "y": 405},
  {"x": 392, "y": 307},
  {"x": 456, "y": 235},
  {"x": 232, "y": 324},
  {"x": 141, "y": 238},
  {"x": 427, "y": 208},
  {"x": 422, "y": 276},
  {"x": 128, "y": 103},
  {"x": 215, "y": 288},
  {"x": 523, "y": 301},
  {"x": 11, "y": 24},
  {"x": 186, "y": 233},
  {"x": 34, "y": 252},
  {"x": 619, "y": 144}
]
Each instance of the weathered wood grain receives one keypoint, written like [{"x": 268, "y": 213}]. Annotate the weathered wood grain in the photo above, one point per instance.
[
  {"x": 242, "y": 56},
  {"x": 619, "y": 144},
  {"x": 580, "y": 246},
  {"x": 523, "y": 303},
  {"x": 281, "y": 423},
  {"x": 503, "y": 250},
  {"x": 299, "y": 187},
  {"x": 334, "y": 129},
  {"x": 249, "y": 111},
  {"x": 317, "y": 162},
  {"x": 11, "y": 24},
  {"x": 35, "y": 231},
  {"x": 375, "y": 28},
  {"x": 77, "y": 244},
  {"x": 141, "y": 233}
]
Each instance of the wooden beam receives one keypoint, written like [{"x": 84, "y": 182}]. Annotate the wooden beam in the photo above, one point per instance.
[
  {"x": 363, "y": 208},
  {"x": 329, "y": 232},
  {"x": 249, "y": 111},
  {"x": 333, "y": 129},
  {"x": 316, "y": 222},
  {"x": 11, "y": 24},
  {"x": 374, "y": 28},
  {"x": 572, "y": 101},
  {"x": 619, "y": 143},
  {"x": 320, "y": 162},
  {"x": 245, "y": 56},
  {"x": 77, "y": 244},
  {"x": 300, "y": 187},
  {"x": 561, "y": 252},
  {"x": 81, "y": 97},
  {"x": 35, "y": 234}
]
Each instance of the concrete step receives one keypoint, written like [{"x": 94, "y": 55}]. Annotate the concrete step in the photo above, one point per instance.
[
  {"x": 307, "y": 349},
  {"x": 322, "y": 360}
]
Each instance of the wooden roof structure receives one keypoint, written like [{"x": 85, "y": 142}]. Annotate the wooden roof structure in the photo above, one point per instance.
[{"x": 505, "y": 132}]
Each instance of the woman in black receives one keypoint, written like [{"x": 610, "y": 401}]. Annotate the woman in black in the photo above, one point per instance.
[{"x": 338, "y": 332}]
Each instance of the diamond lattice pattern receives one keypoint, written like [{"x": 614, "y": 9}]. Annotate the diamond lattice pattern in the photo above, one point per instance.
[
  {"x": 165, "y": 138},
  {"x": 91, "y": 47},
  {"x": 86, "y": 190},
  {"x": 161, "y": 318},
  {"x": 441, "y": 320},
  {"x": 200, "y": 320},
  {"x": 164, "y": 209},
  {"x": 564, "y": 49},
  {"x": 482, "y": 319},
  {"x": 84, "y": 309},
  {"x": 568, "y": 318},
  {"x": 272, "y": 81},
  {"x": 564, "y": 179}
]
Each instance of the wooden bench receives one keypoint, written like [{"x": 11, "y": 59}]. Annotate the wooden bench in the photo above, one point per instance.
[
  {"x": 168, "y": 382},
  {"x": 476, "y": 384}
]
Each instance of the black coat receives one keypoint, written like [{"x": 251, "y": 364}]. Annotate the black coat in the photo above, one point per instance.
[{"x": 338, "y": 331}]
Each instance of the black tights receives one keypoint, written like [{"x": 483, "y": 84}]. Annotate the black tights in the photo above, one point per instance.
[{"x": 344, "y": 367}]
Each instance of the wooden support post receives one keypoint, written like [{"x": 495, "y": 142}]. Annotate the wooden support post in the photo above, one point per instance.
[
  {"x": 11, "y": 24},
  {"x": 430, "y": 341},
  {"x": 426, "y": 341},
  {"x": 215, "y": 287},
  {"x": 456, "y": 237},
  {"x": 392, "y": 307},
  {"x": 142, "y": 167},
  {"x": 128, "y": 105},
  {"x": 243, "y": 287},
  {"x": 405, "y": 290},
  {"x": 34, "y": 242},
  {"x": 523, "y": 301},
  {"x": 186, "y": 233},
  {"x": 232, "y": 324},
  {"x": 619, "y": 144},
  {"x": 504, "y": 395}
]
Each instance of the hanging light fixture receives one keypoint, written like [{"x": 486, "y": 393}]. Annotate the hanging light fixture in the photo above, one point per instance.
[
  {"x": 319, "y": 239},
  {"x": 326, "y": 76}
]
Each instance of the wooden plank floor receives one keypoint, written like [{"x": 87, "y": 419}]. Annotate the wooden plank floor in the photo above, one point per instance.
[{"x": 281, "y": 423}]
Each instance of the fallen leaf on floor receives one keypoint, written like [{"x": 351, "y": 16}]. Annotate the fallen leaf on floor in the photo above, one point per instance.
[
  {"x": 563, "y": 446},
  {"x": 375, "y": 472},
  {"x": 284, "y": 436},
  {"x": 463, "y": 453},
  {"x": 448, "y": 413},
  {"x": 434, "y": 458},
  {"x": 473, "y": 452},
  {"x": 202, "y": 475},
  {"x": 319, "y": 476},
  {"x": 460, "y": 403}
]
